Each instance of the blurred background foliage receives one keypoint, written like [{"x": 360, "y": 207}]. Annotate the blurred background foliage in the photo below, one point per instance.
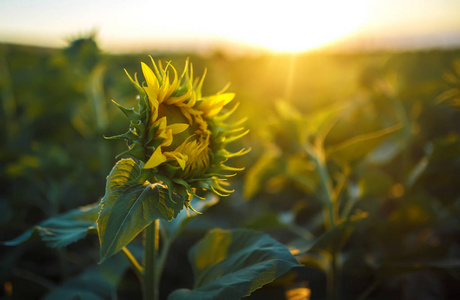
[{"x": 399, "y": 188}]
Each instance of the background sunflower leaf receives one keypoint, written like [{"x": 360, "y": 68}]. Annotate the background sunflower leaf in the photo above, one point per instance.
[
  {"x": 358, "y": 147},
  {"x": 330, "y": 240},
  {"x": 129, "y": 205},
  {"x": 96, "y": 283},
  {"x": 62, "y": 230},
  {"x": 267, "y": 165},
  {"x": 230, "y": 264}
]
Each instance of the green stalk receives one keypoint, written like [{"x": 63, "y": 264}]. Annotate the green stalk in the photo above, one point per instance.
[
  {"x": 165, "y": 246},
  {"x": 403, "y": 117},
  {"x": 335, "y": 275},
  {"x": 150, "y": 282},
  {"x": 326, "y": 185},
  {"x": 329, "y": 200}
]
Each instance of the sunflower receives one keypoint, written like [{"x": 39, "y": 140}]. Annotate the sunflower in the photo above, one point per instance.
[{"x": 179, "y": 135}]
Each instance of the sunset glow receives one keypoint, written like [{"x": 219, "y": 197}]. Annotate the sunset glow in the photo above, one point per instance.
[
  {"x": 302, "y": 26},
  {"x": 279, "y": 26}
]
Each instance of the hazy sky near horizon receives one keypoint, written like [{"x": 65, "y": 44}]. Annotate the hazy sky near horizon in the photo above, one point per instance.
[{"x": 137, "y": 24}]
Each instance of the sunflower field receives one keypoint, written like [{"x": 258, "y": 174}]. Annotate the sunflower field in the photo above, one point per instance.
[{"x": 315, "y": 175}]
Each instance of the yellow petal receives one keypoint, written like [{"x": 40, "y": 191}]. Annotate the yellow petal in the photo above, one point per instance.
[
  {"x": 177, "y": 128},
  {"x": 173, "y": 86},
  {"x": 186, "y": 113},
  {"x": 164, "y": 88},
  {"x": 179, "y": 157},
  {"x": 168, "y": 138},
  {"x": 214, "y": 104},
  {"x": 154, "y": 109},
  {"x": 152, "y": 96},
  {"x": 151, "y": 79},
  {"x": 178, "y": 99},
  {"x": 156, "y": 159},
  {"x": 161, "y": 123},
  {"x": 192, "y": 101}
]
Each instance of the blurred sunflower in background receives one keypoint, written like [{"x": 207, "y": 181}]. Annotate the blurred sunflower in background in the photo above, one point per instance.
[
  {"x": 178, "y": 135},
  {"x": 452, "y": 81}
]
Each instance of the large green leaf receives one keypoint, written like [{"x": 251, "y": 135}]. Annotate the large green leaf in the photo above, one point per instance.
[
  {"x": 320, "y": 120},
  {"x": 230, "y": 264},
  {"x": 62, "y": 230},
  {"x": 97, "y": 283},
  {"x": 130, "y": 204}
]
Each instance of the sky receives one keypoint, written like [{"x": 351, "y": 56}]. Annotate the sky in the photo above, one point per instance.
[{"x": 287, "y": 25}]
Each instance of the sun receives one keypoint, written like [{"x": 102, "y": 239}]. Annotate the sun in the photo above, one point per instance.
[
  {"x": 294, "y": 26},
  {"x": 275, "y": 25}
]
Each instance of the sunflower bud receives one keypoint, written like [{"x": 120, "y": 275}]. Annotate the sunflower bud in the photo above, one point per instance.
[{"x": 178, "y": 135}]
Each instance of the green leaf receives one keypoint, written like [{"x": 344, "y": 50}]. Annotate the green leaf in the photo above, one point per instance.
[
  {"x": 230, "y": 264},
  {"x": 136, "y": 150},
  {"x": 302, "y": 171},
  {"x": 265, "y": 221},
  {"x": 392, "y": 146},
  {"x": 271, "y": 220},
  {"x": 129, "y": 112},
  {"x": 330, "y": 240},
  {"x": 320, "y": 119},
  {"x": 374, "y": 182},
  {"x": 358, "y": 147},
  {"x": 130, "y": 204},
  {"x": 62, "y": 230},
  {"x": 96, "y": 283},
  {"x": 268, "y": 165},
  {"x": 418, "y": 170}
]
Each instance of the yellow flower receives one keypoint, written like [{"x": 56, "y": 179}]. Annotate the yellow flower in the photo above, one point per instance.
[{"x": 179, "y": 134}]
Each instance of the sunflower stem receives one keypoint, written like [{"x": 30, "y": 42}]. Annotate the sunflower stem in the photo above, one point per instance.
[
  {"x": 328, "y": 193},
  {"x": 150, "y": 282},
  {"x": 165, "y": 246},
  {"x": 329, "y": 197}
]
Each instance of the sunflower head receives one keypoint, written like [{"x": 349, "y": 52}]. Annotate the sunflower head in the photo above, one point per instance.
[{"x": 179, "y": 136}]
